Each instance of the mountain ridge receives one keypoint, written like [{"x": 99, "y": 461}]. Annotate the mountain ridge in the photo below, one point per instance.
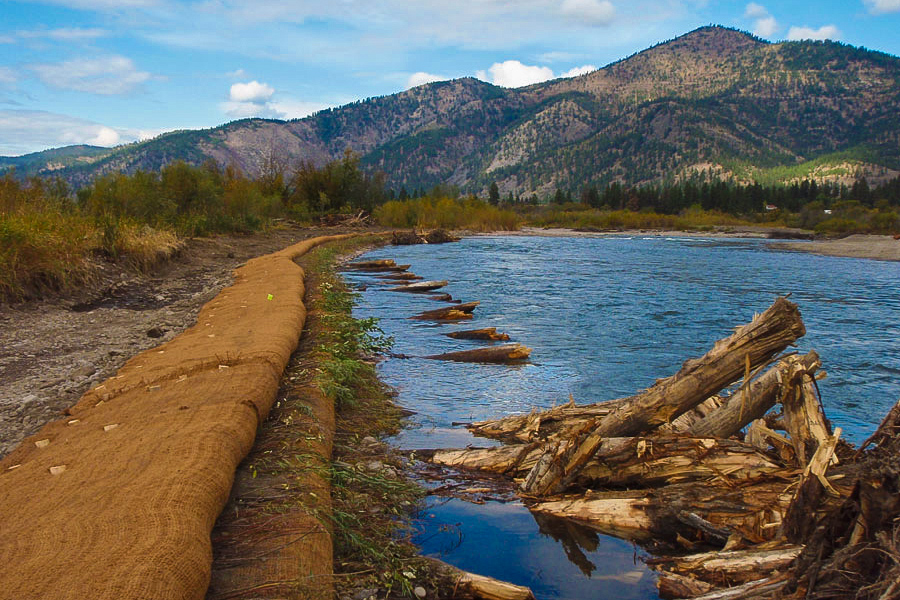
[{"x": 714, "y": 99}]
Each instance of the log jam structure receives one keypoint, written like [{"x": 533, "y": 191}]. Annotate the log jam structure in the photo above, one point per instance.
[{"x": 118, "y": 498}]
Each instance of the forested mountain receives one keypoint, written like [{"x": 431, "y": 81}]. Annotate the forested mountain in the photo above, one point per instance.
[{"x": 715, "y": 100}]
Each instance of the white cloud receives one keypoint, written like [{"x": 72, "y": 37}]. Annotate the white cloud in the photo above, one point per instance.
[
  {"x": 65, "y": 34},
  {"x": 826, "y": 32},
  {"x": 765, "y": 27},
  {"x": 107, "y": 76},
  {"x": 765, "y": 24},
  {"x": 756, "y": 11},
  {"x": 255, "y": 99},
  {"x": 253, "y": 91},
  {"x": 513, "y": 74},
  {"x": 421, "y": 78},
  {"x": 594, "y": 12},
  {"x": 576, "y": 71},
  {"x": 24, "y": 131},
  {"x": 106, "y": 136},
  {"x": 237, "y": 74},
  {"x": 881, "y": 7}
]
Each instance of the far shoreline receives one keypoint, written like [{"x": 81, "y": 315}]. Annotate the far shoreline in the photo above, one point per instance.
[{"x": 873, "y": 247}]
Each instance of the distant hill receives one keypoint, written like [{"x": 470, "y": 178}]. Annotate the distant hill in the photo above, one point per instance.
[
  {"x": 714, "y": 100},
  {"x": 52, "y": 160}
]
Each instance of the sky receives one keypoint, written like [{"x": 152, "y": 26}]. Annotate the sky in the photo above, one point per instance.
[{"x": 108, "y": 72}]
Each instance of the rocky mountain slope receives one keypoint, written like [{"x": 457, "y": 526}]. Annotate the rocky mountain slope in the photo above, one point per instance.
[{"x": 715, "y": 99}]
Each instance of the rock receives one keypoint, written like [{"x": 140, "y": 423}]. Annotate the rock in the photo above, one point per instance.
[
  {"x": 156, "y": 332},
  {"x": 420, "y": 592},
  {"x": 365, "y": 594}
]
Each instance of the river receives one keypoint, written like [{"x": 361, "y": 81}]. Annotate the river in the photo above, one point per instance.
[{"x": 606, "y": 316}]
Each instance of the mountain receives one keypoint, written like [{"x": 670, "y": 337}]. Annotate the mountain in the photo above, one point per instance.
[
  {"x": 714, "y": 100},
  {"x": 52, "y": 160}
]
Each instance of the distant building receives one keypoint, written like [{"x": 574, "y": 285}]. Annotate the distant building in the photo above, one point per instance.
[
  {"x": 771, "y": 207},
  {"x": 827, "y": 211}
]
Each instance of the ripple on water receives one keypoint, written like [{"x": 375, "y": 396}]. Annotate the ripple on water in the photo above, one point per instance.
[{"x": 606, "y": 317}]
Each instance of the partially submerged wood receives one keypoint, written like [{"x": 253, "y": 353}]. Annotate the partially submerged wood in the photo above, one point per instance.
[
  {"x": 420, "y": 286},
  {"x": 376, "y": 266},
  {"x": 400, "y": 277},
  {"x": 481, "y": 587},
  {"x": 750, "y": 346},
  {"x": 487, "y": 334},
  {"x": 449, "y": 313},
  {"x": 505, "y": 354}
]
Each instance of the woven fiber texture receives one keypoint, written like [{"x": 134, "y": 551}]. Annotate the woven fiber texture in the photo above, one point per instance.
[{"x": 117, "y": 500}]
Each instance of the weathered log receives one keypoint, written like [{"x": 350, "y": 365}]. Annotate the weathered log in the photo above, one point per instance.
[
  {"x": 505, "y": 354},
  {"x": 752, "y": 509},
  {"x": 558, "y": 421},
  {"x": 420, "y": 286},
  {"x": 683, "y": 423},
  {"x": 769, "y": 587},
  {"x": 804, "y": 418},
  {"x": 673, "y": 585},
  {"x": 444, "y": 298},
  {"x": 629, "y": 462},
  {"x": 750, "y": 346},
  {"x": 480, "y": 587},
  {"x": 449, "y": 313},
  {"x": 488, "y": 333},
  {"x": 752, "y": 401},
  {"x": 398, "y": 277},
  {"x": 727, "y": 568},
  {"x": 383, "y": 265}
]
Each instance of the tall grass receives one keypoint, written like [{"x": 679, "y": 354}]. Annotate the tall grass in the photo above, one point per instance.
[
  {"x": 43, "y": 249},
  {"x": 446, "y": 213}
]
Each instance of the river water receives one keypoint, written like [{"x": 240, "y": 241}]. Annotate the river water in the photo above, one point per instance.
[{"x": 606, "y": 316}]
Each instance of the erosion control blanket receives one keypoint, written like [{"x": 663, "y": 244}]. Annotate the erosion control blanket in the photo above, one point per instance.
[{"x": 117, "y": 500}]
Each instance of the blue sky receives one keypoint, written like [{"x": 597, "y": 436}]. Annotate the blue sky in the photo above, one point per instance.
[{"x": 113, "y": 71}]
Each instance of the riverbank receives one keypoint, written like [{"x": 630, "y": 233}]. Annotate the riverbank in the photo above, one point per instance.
[{"x": 877, "y": 247}]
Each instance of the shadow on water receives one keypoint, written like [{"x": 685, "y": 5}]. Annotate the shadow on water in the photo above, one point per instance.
[{"x": 606, "y": 317}]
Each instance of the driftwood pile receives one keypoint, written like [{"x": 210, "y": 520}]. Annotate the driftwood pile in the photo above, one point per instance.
[{"x": 730, "y": 466}]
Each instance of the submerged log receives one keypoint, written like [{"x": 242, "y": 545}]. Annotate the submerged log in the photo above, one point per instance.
[
  {"x": 383, "y": 265},
  {"x": 398, "y": 277},
  {"x": 444, "y": 298},
  {"x": 488, "y": 333},
  {"x": 750, "y": 346},
  {"x": 420, "y": 286},
  {"x": 449, "y": 313},
  {"x": 505, "y": 354},
  {"x": 751, "y": 402}
]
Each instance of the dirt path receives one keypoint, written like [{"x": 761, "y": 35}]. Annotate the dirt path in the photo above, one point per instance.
[{"x": 52, "y": 351}]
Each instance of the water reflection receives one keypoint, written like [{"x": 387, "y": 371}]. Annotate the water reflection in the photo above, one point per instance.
[{"x": 606, "y": 317}]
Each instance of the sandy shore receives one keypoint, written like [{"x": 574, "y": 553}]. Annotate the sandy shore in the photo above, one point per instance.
[{"x": 878, "y": 247}]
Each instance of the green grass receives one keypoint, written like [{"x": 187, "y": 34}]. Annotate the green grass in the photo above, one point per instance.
[{"x": 446, "y": 213}]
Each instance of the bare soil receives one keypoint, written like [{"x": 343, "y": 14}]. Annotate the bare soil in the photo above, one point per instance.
[{"x": 53, "y": 350}]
